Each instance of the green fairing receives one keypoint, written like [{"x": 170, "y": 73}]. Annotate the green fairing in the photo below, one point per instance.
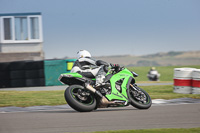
[
  {"x": 115, "y": 94},
  {"x": 74, "y": 75}
]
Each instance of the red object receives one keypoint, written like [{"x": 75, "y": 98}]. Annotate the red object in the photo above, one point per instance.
[
  {"x": 195, "y": 83},
  {"x": 182, "y": 82}
]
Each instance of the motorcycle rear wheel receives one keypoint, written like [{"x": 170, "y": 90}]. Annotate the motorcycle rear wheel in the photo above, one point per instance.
[
  {"x": 140, "y": 98},
  {"x": 80, "y": 99}
]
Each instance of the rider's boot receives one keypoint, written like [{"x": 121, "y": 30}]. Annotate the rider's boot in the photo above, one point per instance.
[
  {"x": 100, "y": 77},
  {"x": 99, "y": 80}
]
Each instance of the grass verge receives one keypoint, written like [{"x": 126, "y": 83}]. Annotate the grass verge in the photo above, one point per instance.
[
  {"x": 162, "y": 130},
  {"x": 166, "y": 72},
  {"x": 31, "y": 98},
  {"x": 37, "y": 98},
  {"x": 166, "y": 92}
]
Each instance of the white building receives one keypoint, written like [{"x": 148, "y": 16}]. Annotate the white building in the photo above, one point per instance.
[{"x": 21, "y": 37}]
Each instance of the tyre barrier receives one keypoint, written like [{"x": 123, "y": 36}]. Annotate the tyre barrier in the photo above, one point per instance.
[
  {"x": 18, "y": 83},
  {"x": 5, "y": 66},
  {"x": 33, "y": 73},
  {"x": 34, "y": 65},
  {"x": 22, "y": 74},
  {"x": 35, "y": 82},
  {"x": 183, "y": 80},
  {"x": 19, "y": 74},
  {"x": 4, "y": 83},
  {"x": 17, "y": 65},
  {"x": 4, "y": 75},
  {"x": 196, "y": 81}
]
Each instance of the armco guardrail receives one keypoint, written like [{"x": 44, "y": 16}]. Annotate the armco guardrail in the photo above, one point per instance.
[{"x": 33, "y": 73}]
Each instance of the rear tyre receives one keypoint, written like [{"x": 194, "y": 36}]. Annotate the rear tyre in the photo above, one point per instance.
[
  {"x": 80, "y": 99},
  {"x": 139, "y": 98}
]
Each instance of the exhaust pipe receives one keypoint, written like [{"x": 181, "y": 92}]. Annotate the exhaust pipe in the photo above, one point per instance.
[
  {"x": 90, "y": 88},
  {"x": 104, "y": 101}
]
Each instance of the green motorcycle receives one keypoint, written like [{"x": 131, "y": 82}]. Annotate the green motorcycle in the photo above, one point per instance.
[{"x": 119, "y": 90}]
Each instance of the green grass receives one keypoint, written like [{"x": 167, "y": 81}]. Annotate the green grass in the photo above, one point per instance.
[
  {"x": 167, "y": 72},
  {"x": 162, "y": 130},
  {"x": 37, "y": 98},
  {"x": 31, "y": 98},
  {"x": 166, "y": 92}
]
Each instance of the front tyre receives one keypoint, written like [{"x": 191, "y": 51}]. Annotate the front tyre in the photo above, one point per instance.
[
  {"x": 139, "y": 98},
  {"x": 80, "y": 99}
]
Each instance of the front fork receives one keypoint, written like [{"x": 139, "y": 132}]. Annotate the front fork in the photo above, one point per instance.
[
  {"x": 140, "y": 96},
  {"x": 133, "y": 86}
]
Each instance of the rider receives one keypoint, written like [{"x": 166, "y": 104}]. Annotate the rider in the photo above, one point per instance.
[
  {"x": 153, "y": 74},
  {"x": 89, "y": 67}
]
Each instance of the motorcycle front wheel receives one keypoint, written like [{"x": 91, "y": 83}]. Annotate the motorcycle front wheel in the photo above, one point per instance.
[
  {"x": 80, "y": 99},
  {"x": 139, "y": 98}
]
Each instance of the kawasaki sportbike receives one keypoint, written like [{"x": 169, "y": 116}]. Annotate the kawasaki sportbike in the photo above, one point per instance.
[{"x": 119, "y": 89}]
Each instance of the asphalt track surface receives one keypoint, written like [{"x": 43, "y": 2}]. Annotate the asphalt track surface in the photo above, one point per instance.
[{"x": 68, "y": 120}]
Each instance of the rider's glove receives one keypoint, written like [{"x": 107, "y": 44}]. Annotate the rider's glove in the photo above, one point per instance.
[{"x": 117, "y": 67}]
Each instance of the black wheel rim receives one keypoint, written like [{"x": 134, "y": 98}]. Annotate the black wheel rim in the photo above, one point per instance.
[{"x": 82, "y": 96}]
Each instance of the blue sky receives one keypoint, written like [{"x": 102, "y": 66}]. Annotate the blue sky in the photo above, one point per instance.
[{"x": 114, "y": 27}]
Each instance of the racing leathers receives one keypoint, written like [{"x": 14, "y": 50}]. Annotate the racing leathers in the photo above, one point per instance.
[{"x": 91, "y": 68}]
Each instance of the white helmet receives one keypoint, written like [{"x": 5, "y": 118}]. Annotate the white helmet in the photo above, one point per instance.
[{"x": 83, "y": 53}]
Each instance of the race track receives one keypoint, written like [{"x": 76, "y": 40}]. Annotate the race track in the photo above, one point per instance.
[{"x": 68, "y": 120}]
